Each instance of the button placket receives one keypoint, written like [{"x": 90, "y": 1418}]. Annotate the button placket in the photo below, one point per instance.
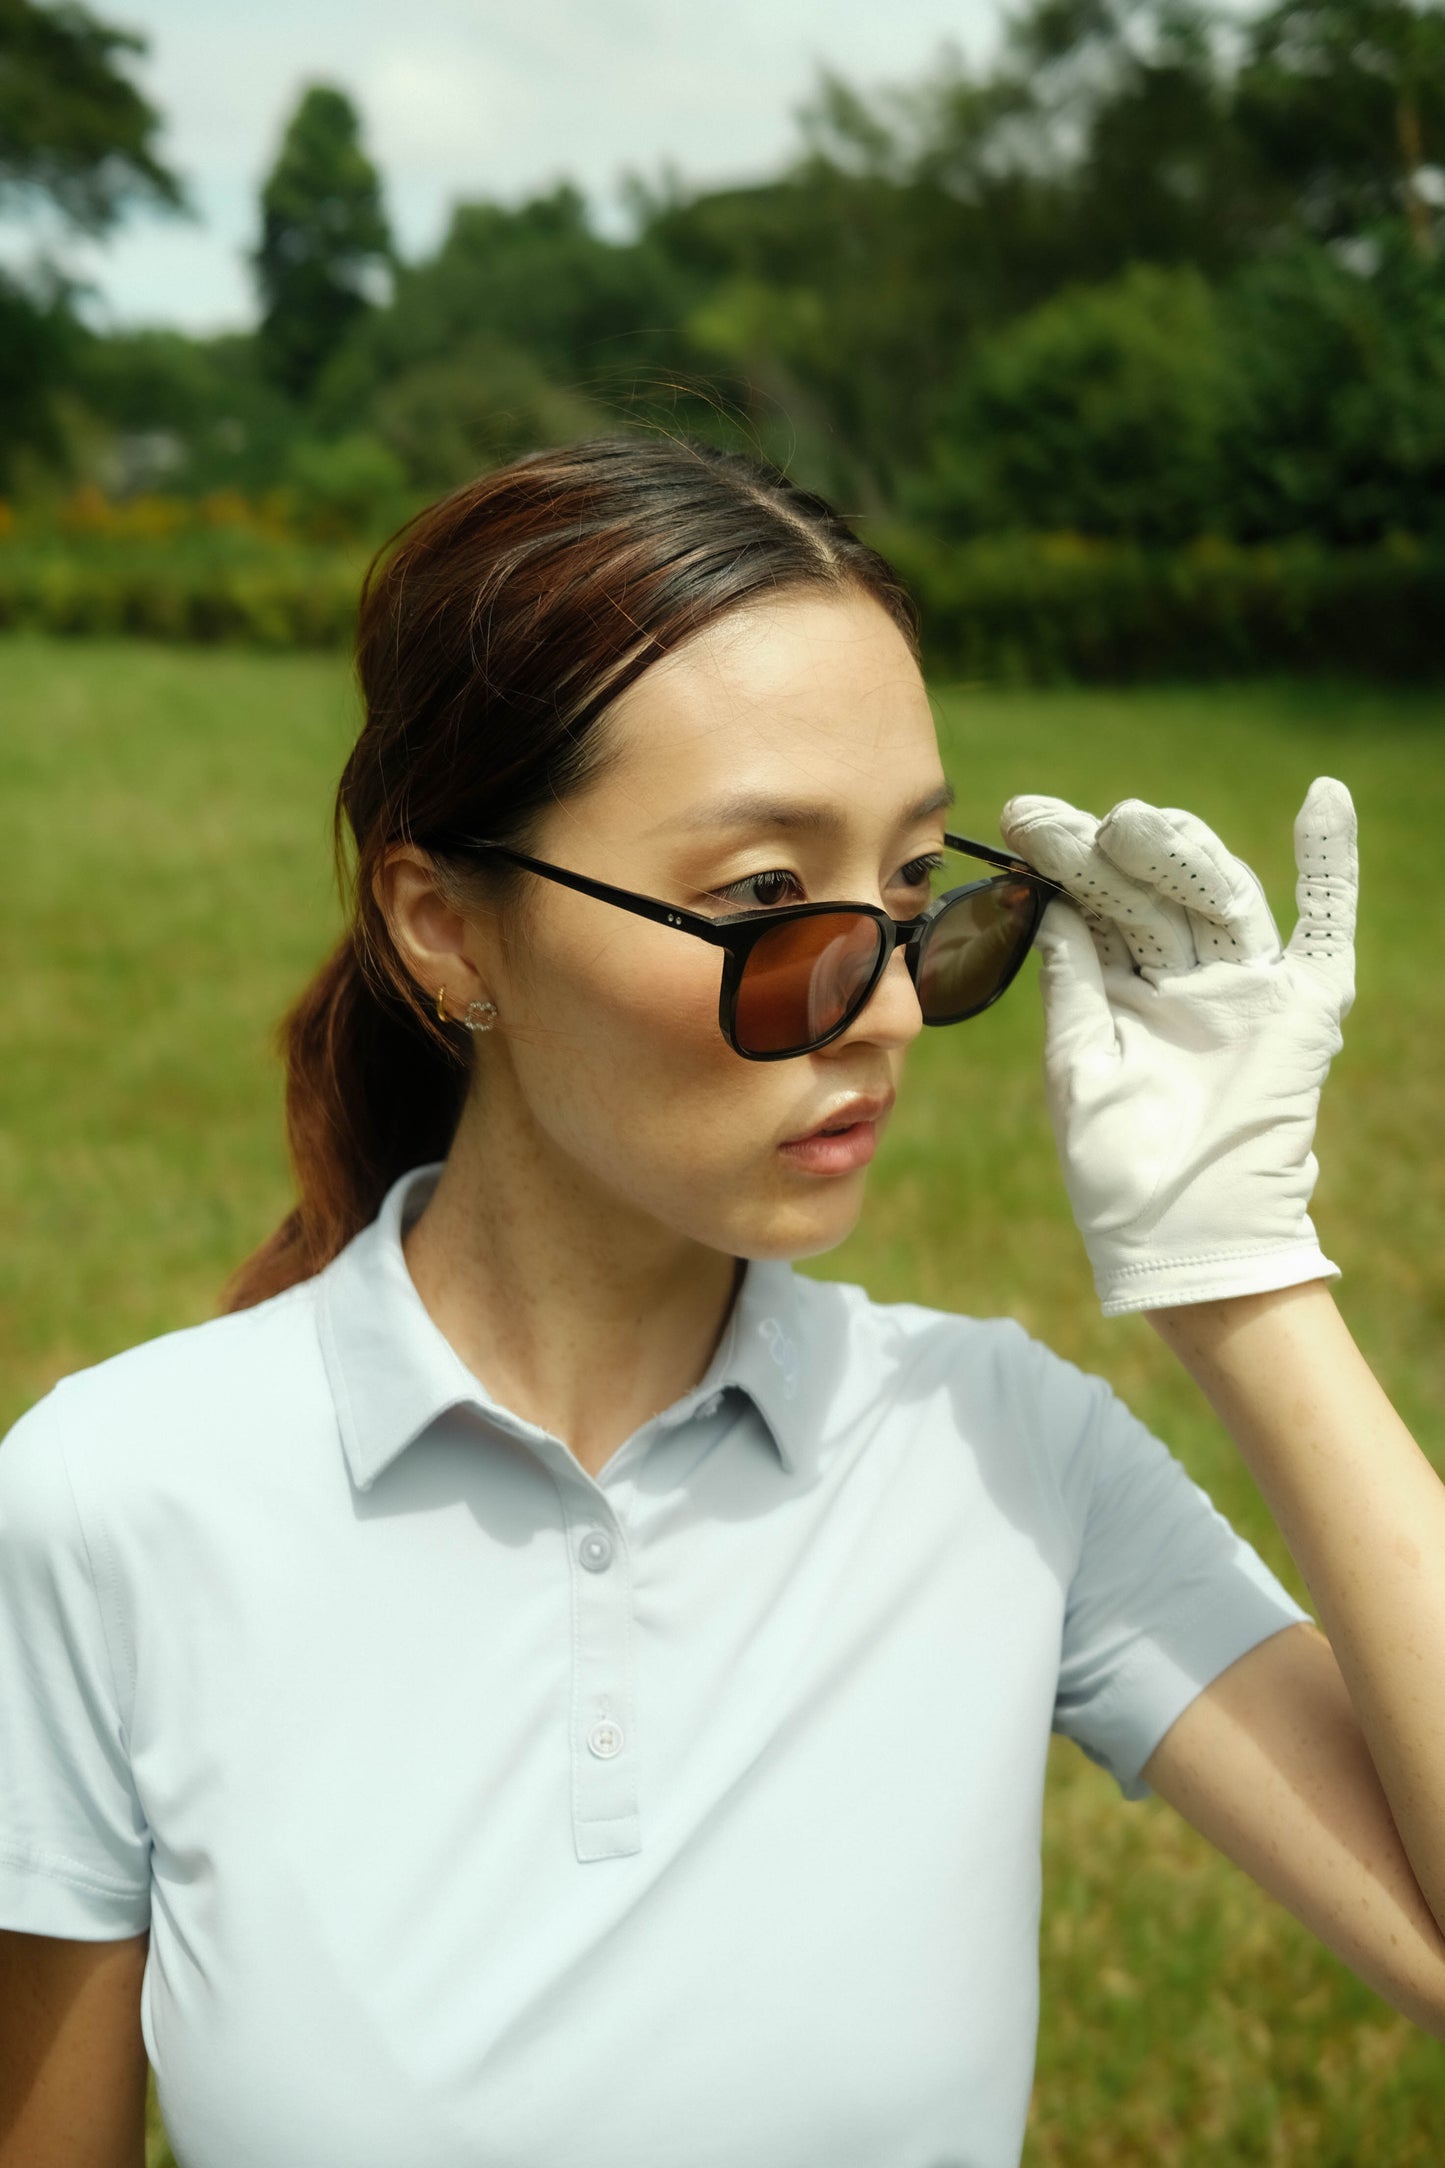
[{"x": 606, "y": 1823}]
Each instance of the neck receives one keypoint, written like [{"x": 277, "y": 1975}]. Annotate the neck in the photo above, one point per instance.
[{"x": 576, "y": 1313}]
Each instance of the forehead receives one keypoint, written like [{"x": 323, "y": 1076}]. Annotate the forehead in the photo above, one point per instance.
[{"x": 804, "y": 696}]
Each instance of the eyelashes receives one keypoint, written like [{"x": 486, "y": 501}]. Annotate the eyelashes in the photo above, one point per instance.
[
  {"x": 776, "y": 883},
  {"x": 747, "y": 891}
]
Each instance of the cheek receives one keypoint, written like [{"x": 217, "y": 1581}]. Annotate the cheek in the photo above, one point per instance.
[
  {"x": 620, "y": 1062},
  {"x": 641, "y": 993},
  {"x": 617, "y": 1047}
]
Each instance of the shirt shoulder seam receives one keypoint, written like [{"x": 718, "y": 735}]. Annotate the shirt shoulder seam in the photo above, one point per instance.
[{"x": 89, "y": 1545}]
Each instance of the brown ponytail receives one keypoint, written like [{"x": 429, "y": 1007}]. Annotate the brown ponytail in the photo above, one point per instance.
[{"x": 494, "y": 631}]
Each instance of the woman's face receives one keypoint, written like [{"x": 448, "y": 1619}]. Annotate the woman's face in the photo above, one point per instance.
[{"x": 786, "y": 754}]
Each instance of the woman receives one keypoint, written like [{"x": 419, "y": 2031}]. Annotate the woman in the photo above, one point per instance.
[{"x": 540, "y": 1682}]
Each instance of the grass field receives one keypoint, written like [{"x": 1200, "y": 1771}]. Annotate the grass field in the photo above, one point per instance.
[{"x": 166, "y": 823}]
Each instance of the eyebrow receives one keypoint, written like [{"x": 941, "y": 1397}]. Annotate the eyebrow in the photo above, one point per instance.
[{"x": 749, "y": 809}]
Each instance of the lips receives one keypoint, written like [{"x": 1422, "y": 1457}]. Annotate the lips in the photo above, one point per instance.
[
  {"x": 847, "y": 1115},
  {"x": 842, "y": 1141}
]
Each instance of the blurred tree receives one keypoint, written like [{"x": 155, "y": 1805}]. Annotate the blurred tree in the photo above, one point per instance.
[
  {"x": 1345, "y": 101},
  {"x": 229, "y": 427},
  {"x": 1102, "y": 412},
  {"x": 921, "y": 220},
  {"x": 345, "y": 485},
  {"x": 1131, "y": 105},
  {"x": 1298, "y": 397},
  {"x": 1337, "y": 428},
  {"x": 77, "y": 139},
  {"x": 324, "y": 240},
  {"x": 38, "y": 339},
  {"x": 1158, "y": 268},
  {"x": 535, "y": 279},
  {"x": 449, "y": 419},
  {"x": 842, "y": 294},
  {"x": 75, "y": 133}
]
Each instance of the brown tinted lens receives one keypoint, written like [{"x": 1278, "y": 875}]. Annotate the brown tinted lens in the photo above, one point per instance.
[
  {"x": 971, "y": 948},
  {"x": 802, "y": 978}
]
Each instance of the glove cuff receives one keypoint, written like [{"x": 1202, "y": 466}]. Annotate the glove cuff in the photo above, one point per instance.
[{"x": 1166, "y": 1283}]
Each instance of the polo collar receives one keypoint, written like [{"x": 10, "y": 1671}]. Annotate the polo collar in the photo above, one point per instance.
[{"x": 393, "y": 1372}]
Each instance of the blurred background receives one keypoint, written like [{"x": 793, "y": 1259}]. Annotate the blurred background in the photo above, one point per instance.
[
  {"x": 1120, "y": 327},
  {"x": 1121, "y": 324}
]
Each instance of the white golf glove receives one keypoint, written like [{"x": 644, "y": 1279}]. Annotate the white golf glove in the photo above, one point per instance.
[{"x": 1184, "y": 1047}]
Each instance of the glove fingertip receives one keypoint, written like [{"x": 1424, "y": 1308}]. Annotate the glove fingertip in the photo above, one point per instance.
[
  {"x": 1128, "y": 812},
  {"x": 1327, "y": 889},
  {"x": 1328, "y": 808},
  {"x": 1032, "y": 821}
]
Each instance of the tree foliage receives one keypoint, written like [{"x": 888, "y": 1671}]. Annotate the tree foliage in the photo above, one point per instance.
[
  {"x": 1104, "y": 411},
  {"x": 74, "y": 131},
  {"x": 1295, "y": 398},
  {"x": 1345, "y": 102},
  {"x": 76, "y": 138},
  {"x": 1159, "y": 270},
  {"x": 324, "y": 239},
  {"x": 38, "y": 336}
]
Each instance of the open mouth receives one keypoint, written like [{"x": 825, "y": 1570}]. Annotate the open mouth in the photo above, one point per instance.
[
  {"x": 842, "y": 1145},
  {"x": 861, "y": 1113}
]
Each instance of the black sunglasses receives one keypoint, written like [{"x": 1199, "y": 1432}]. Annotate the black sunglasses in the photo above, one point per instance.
[{"x": 795, "y": 976}]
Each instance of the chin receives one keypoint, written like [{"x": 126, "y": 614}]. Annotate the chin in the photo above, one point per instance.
[{"x": 797, "y": 1230}]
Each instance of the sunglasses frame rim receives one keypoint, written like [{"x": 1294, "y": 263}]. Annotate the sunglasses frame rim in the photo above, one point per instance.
[{"x": 737, "y": 933}]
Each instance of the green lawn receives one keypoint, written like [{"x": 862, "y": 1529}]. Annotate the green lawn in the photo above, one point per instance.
[{"x": 166, "y": 817}]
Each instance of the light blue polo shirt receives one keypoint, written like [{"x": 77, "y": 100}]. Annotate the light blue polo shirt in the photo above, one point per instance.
[{"x": 486, "y": 1811}]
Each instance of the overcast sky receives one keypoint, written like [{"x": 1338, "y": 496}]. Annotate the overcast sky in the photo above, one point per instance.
[{"x": 479, "y": 98}]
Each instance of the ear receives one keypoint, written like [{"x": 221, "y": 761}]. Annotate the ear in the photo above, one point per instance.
[{"x": 438, "y": 945}]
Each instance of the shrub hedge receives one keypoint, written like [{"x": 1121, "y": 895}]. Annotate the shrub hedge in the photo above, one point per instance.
[
  {"x": 157, "y": 595},
  {"x": 217, "y": 568},
  {"x": 1004, "y": 610},
  {"x": 1039, "y": 609}
]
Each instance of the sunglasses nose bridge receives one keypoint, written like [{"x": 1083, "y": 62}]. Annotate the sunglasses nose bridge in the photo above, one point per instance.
[
  {"x": 895, "y": 937},
  {"x": 911, "y": 939}
]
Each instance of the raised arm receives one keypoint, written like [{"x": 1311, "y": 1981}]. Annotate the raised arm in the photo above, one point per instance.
[
  {"x": 1185, "y": 1052},
  {"x": 1318, "y": 1764}
]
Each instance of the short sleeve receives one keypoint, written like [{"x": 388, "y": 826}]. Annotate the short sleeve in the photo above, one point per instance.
[
  {"x": 1164, "y": 1594},
  {"x": 74, "y": 1847}
]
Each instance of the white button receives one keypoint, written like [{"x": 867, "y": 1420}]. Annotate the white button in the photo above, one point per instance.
[
  {"x": 605, "y": 1739},
  {"x": 595, "y": 1551},
  {"x": 710, "y": 1407}
]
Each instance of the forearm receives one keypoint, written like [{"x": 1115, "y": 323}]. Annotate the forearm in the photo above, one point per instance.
[{"x": 1363, "y": 1514}]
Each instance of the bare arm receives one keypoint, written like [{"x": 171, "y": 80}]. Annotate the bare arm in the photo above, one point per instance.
[
  {"x": 72, "y": 2057},
  {"x": 1185, "y": 1049},
  {"x": 1319, "y": 1763}
]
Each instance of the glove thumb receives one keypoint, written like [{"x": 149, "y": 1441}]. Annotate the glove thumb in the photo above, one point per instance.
[{"x": 1078, "y": 1022}]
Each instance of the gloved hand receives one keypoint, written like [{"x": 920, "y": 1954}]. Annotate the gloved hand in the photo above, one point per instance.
[{"x": 1184, "y": 1048}]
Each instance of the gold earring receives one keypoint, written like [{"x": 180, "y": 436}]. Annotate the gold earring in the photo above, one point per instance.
[{"x": 441, "y": 1004}]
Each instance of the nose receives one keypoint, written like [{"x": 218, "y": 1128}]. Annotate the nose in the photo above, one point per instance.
[{"x": 891, "y": 1017}]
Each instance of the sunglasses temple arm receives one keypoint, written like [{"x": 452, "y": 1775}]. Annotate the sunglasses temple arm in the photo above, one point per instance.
[
  {"x": 1009, "y": 861},
  {"x": 626, "y": 899}
]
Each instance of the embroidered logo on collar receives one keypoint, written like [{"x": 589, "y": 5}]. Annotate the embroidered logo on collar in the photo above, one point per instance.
[{"x": 784, "y": 1351}]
